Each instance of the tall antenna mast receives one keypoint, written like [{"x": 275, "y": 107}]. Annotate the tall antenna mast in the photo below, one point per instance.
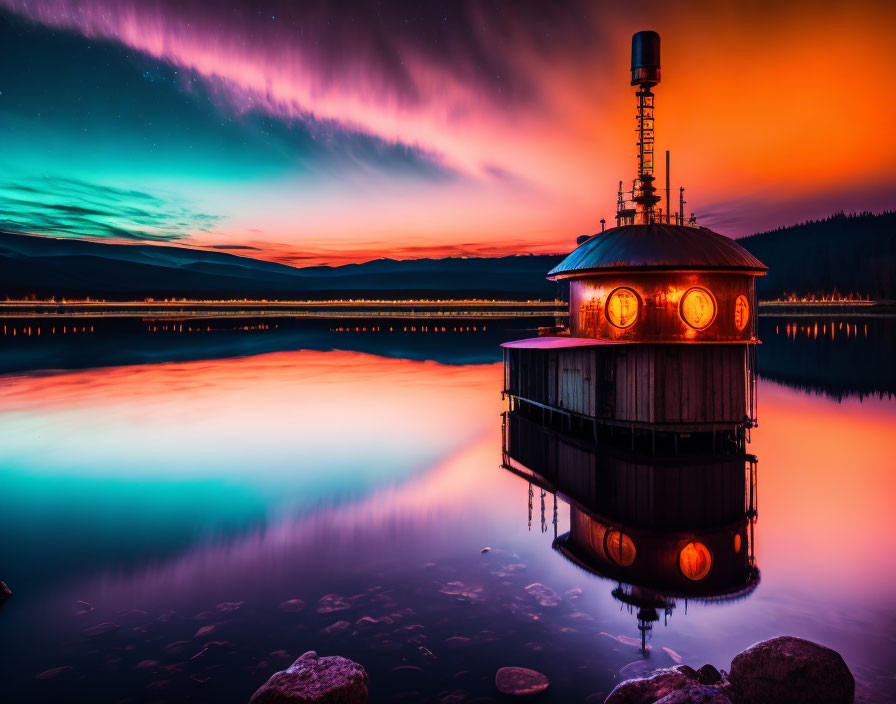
[
  {"x": 668, "y": 203},
  {"x": 645, "y": 75}
]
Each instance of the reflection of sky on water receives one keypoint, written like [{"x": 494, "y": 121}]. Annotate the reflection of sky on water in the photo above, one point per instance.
[
  {"x": 295, "y": 474},
  {"x": 177, "y": 450}
]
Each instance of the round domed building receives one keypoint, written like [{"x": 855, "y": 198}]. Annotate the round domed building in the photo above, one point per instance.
[
  {"x": 662, "y": 315},
  {"x": 661, "y": 283}
]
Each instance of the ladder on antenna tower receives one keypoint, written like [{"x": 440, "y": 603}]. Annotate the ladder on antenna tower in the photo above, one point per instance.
[{"x": 645, "y": 132}]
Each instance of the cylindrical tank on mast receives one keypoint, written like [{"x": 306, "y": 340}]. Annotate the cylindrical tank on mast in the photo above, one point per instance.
[{"x": 645, "y": 75}]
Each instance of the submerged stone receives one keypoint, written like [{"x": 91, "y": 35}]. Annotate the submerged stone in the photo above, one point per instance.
[
  {"x": 101, "y": 629},
  {"x": 543, "y": 594},
  {"x": 520, "y": 681},
  {"x": 177, "y": 648},
  {"x": 337, "y": 627},
  {"x": 5, "y": 592},
  {"x": 638, "y": 669},
  {"x": 329, "y": 603},
  {"x": 55, "y": 673},
  {"x": 676, "y": 658},
  {"x": 292, "y": 606},
  {"x": 315, "y": 680}
]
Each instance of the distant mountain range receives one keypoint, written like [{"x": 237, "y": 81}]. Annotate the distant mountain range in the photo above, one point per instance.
[
  {"x": 44, "y": 267},
  {"x": 846, "y": 253}
]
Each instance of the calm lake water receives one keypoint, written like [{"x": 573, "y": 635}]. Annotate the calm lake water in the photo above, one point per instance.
[{"x": 185, "y": 511}]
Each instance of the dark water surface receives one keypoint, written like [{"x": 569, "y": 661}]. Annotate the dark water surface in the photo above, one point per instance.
[{"x": 228, "y": 498}]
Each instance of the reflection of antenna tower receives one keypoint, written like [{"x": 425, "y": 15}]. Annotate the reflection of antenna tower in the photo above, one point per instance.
[
  {"x": 646, "y": 618},
  {"x": 531, "y": 496},
  {"x": 648, "y": 603},
  {"x": 555, "y": 515}
]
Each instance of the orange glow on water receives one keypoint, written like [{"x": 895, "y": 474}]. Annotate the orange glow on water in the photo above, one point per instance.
[{"x": 827, "y": 479}]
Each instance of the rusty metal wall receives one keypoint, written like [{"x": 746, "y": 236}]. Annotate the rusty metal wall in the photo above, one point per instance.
[{"x": 659, "y": 303}]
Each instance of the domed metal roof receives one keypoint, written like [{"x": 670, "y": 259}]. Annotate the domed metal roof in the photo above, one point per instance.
[{"x": 656, "y": 247}]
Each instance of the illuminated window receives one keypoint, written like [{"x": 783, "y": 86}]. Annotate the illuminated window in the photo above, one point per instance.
[
  {"x": 695, "y": 561},
  {"x": 737, "y": 541},
  {"x": 698, "y": 308},
  {"x": 622, "y": 307},
  {"x": 620, "y": 548},
  {"x": 741, "y": 312}
]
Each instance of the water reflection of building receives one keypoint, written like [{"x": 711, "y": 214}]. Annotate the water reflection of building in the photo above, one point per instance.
[{"x": 664, "y": 529}]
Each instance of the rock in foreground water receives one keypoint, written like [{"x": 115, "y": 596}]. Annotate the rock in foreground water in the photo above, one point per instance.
[
  {"x": 315, "y": 680},
  {"x": 648, "y": 690},
  {"x": 520, "y": 681},
  {"x": 788, "y": 670},
  {"x": 782, "y": 670},
  {"x": 698, "y": 694},
  {"x": 5, "y": 592},
  {"x": 709, "y": 675}
]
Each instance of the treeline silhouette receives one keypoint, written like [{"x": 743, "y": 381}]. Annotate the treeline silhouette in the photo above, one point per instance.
[{"x": 842, "y": 254}]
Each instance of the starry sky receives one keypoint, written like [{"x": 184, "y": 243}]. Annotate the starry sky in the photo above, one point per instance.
[{"x": 332, "y": 132}]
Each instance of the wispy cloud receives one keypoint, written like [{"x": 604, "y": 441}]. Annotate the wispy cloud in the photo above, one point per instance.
[
  {"x": 234, "y": 246},
  {"x": 70, "y": 207}
]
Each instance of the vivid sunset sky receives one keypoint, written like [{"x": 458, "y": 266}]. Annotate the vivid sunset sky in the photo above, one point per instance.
[{"x": 332, "y": 132}]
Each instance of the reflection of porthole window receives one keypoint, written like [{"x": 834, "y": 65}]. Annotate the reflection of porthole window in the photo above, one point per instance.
[
  {"x": 620, "y": 548},
  {"x": 737, "y": 541},
  {"x": 698, "y": 308},
  {"x": 741, "y": 312},
  {"x": 622, "y": 307},
  {"x": 695, "y": 561}
]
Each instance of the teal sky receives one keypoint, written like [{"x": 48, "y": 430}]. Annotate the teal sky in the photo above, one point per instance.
[
  {"x": 104, "y": 142},
  {"x": 321, "y": 132}
]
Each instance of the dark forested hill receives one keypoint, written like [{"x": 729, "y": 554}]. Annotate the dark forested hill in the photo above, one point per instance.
[
  {"x": 45, "y": 267},
  {"x": 844, "y": 253}
]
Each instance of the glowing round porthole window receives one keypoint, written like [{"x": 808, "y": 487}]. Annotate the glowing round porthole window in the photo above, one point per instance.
[
  {"x": 620, "y": 548},
  {"x": 698, "y": 308},
  {"x": 741, "y": 312},
  {"x": 695, "y": 561},
  {"x": 737, "y": 542},
  {"x": 622, "y": 307}
]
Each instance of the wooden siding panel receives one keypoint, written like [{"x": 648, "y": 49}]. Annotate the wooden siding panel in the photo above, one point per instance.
[{"x": 644, "y": 383}]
